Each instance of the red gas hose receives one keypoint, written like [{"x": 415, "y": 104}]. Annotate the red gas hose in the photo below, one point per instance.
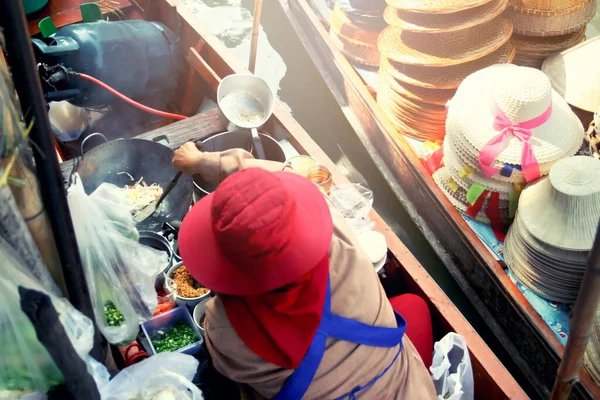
[{"x": 130, "y": 101}]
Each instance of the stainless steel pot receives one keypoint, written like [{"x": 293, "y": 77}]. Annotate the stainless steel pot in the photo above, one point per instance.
[
  {"x": 234, "y": 140},
  {"x": 158, "y": 242}
]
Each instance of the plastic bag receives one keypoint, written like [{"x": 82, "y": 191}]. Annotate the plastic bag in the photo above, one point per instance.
[
  {"x": 354, "y": 202},
  {"x": 164, "y": 372},
  {"x": 451, "y": 369},
  {"x": 26, "y": 367},
  {"x": 111, "y": 200},
  {"x": 119, "y": 271}
]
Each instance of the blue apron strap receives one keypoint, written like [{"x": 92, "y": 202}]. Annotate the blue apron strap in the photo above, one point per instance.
[
  {"x": 298, "y": 383},
  {"x": 354, "y": 331},
  {"x": 343, "y": 329}
]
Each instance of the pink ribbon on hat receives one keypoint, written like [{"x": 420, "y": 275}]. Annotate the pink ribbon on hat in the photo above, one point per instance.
[{"x": 522, "y": 131}]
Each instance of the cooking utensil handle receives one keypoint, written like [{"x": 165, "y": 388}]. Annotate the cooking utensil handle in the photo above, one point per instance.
[
  {"x": 169, "y": 188},
  {"x": 86, "y": 139},
  {"x": 260, "y": 151}
]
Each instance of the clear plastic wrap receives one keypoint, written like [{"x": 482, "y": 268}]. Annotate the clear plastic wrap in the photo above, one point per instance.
[
  {"x": 26, "y": 367},
  {"x": 170, "y": 373},
  {"x": 451, "y": 369},
  {"x": 354, "y": 202},
  {"x": 119, "y": 271}
]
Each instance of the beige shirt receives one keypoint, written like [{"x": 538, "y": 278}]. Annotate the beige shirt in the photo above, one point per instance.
[{"x": 356, "y": 293}]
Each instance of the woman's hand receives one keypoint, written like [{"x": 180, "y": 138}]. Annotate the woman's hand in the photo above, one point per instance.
[{"x": 187, "y": 158}]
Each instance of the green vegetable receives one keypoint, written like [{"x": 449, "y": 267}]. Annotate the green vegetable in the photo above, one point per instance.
[
  {"x": 112, "y": 314},
  {"x": 177, "y": 337}
]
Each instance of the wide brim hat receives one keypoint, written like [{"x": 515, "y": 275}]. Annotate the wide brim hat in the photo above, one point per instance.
[
  {"x": 238, "y": 241},
  {"x": 558, "y": 21},
  {"x": 457, "y": 195},
  {"x": 468, "y": 156},
  {"x": 521, "y": 91},
  {"x": 435, "y": 23},
  {"x": 575, "y": 76},
  {"x": 446, "y": 48},
  {"x": 446, "y": 77},
  {"x": 466, "y": 176},
  {"x": 563, "y": 209},
  {"x": 435, "y": 6}
]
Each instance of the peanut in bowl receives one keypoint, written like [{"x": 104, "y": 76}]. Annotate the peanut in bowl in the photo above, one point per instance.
[{"x": 187, "y": 291}]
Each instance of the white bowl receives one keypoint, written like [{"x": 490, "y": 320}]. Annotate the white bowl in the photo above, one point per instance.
[
  {"x": 184, "y": 301},
  {"x": 197, "y": 315}
]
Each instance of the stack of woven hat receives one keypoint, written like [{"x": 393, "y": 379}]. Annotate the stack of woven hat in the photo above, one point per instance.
[
  {"x": 547, "y": 246},
  {"x": 429, "y": 47},
  {"x": 505, "y": 127},
  {"x": 354, "y": 28},
  {"x": 591, "y": 358},
  {"x": 545, "y": 27}
]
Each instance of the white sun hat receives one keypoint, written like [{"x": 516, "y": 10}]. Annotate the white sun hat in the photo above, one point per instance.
[
  {"x": 466, "y": 176},
  {"x": 510, "y": 115},
  {"x": 563, "y": 209},
  {"x": 575, "y": 76},
  {"x": 457, "y": 194}
]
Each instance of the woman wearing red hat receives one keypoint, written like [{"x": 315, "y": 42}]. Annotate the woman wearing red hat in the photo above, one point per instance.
[{"x": 299, "y": 312}]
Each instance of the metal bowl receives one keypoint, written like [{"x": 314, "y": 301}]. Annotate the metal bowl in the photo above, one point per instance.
[
  {"x": 184, "y": 301},
  {"x": 158, "y": 242}
]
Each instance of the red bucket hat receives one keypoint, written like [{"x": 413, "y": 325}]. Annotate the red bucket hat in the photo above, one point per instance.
[{"x": 257, "y": 232}]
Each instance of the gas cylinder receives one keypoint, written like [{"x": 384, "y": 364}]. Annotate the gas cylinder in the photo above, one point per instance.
[{"x": 138, "y": 58}]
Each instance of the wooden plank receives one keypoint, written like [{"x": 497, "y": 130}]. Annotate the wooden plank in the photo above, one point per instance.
[
  {"x": 66, "y": 12},
  {"x": 464, "y": 254},
  {"x": 488, "y": 368},
  {"x": 198, "y": 127}
]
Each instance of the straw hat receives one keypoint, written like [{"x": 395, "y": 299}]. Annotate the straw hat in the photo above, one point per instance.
[
  {"x": 443, "y": 49},
  {"x": 435, "y": 6},
  {"x": 532, "y": 51},
  {"x": 523, "y": 96},
  {"x": 560, "y": 18},
  {"x": 574, "y": 74},
  {"x": 563, "y": 210},
  {"x": 448, "y": 77},
  {"x": 434, "y": 23}
]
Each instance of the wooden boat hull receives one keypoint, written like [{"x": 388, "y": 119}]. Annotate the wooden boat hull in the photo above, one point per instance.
[
  {"x": 516, "y": 324},
  {"x": 207, "y": 62}
]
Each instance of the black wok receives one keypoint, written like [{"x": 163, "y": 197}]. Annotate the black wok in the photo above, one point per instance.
[{"x": 139, "y": 158}]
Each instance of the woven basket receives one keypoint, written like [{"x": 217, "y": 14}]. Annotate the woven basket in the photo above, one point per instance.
[
  {"x": 403, "y": 114},
  {"x": 433, "y": 23},
  {"x": 359, "y": 53},
  {"x": 446, "y": 77},
  {"x": 443, "y": 49},
  {"x": 530, "y": 22},
  {"x": 532, "y": 51},
  {"x": 362, "y": 12},
  {"x": 342, "y": 25},
  {"x": 435, "y": 6},
  {"x": 430, "y": 96},
  {"x": 546, "y": 5}
]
